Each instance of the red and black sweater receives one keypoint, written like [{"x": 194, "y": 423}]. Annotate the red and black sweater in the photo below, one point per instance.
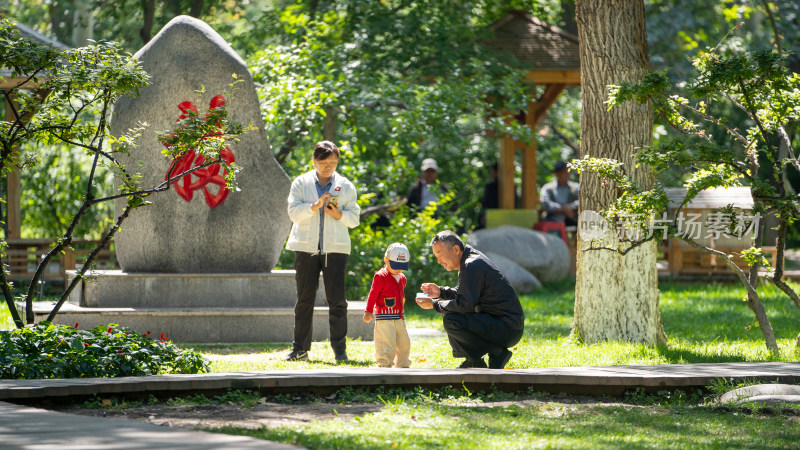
[{"x": 386, "y": 296}]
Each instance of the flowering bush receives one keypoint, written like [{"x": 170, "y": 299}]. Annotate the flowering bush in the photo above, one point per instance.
[{"x": 46, "y": 350}]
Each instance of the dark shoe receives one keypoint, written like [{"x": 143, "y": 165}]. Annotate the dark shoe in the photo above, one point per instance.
[
  {"x": 296, "y": 355},
  {"x": 341, "y": 357},
  {"x": 499, "y": 361},
  {"x": 471, "y": 364}
]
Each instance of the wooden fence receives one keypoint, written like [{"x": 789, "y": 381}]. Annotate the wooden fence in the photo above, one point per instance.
[{"x": 24, "y": 255}]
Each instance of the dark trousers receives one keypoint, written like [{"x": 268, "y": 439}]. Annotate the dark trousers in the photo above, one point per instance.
[
  {"x": 476, "y": 334},
  {"x": 307, "y": 268}
]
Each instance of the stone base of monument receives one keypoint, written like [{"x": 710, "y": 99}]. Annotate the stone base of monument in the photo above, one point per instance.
[
  {"x": 198, "y": 307},
  {"x": 207, "y": 325}
]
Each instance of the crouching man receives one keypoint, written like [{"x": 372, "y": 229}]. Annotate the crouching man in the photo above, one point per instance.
[{"x": 482, "y": 315}]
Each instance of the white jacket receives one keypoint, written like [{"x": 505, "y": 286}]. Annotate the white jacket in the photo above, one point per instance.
[{"x": 304, "y": 236}]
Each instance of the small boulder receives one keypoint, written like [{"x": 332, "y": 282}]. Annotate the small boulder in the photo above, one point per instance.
[
  {"x": 769, "y": 394},
  {"x": 544, "y": 255},
  {"x": 522, "y": 280}
]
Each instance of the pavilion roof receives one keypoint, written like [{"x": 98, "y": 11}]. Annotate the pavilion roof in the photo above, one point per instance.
[
  {"x": 35, "y": 36},
  {"x": 538, "y": 45}
]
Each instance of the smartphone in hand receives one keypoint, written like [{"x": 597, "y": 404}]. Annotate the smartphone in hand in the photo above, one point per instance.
[{"x": 333, "y": 200}]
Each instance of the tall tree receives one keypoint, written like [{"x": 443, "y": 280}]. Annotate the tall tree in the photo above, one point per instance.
[{"x": 616, "y": 292}]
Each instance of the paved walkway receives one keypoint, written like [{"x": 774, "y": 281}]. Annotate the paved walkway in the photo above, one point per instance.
[{"x": 25, "y": 427}]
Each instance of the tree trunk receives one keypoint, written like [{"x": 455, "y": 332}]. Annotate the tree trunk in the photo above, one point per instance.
[
  {"x": 149, "y": 11},
  {"x": 616, "y": 296}
]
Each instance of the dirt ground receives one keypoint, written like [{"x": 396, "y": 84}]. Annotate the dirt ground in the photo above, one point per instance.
[
  {"x": 271, "y": 415},
  {"x": 264, "y": 414}
]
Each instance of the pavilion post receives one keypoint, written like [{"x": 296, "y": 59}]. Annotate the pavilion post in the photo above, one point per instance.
[{"x": 13, "y": 191}]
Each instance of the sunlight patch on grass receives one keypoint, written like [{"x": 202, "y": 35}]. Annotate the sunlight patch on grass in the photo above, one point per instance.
[{"x": 6, "y": 323}]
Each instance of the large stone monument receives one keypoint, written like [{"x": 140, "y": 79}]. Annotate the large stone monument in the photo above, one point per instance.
[
  {"x": 246, "y": 231},
  {"x": 197, "y": 263}
]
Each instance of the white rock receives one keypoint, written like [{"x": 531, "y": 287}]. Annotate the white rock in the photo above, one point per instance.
[
  {"x": 748, "y": 393},
  {"x": 544, "y": 255},
  {"x": 522, "y": 280}
]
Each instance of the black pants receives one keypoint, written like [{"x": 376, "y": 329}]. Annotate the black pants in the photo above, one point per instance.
[
  {"x": 476, "y": 334},
  {"x": 307, "y": 267}
]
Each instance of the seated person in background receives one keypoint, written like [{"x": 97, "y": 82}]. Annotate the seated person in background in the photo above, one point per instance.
[
  {"x": 420, "y": 195},
  {"x": 560, "y": 197}
]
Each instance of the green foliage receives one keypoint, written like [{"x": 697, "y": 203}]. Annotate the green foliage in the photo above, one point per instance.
[
  {"x": 46, "y": 350},
  {"x": 60, "y": 172},
  {"x": 240, "y": 397},
  {"x": 70, "y": 112},
  {"x": 416, "y": 233},
  {"x": 755, "y": 257},
  {"x": 665, "y": 397},
  {"x": 397, "y": 84},
  {"x": 719, "y": 152}
]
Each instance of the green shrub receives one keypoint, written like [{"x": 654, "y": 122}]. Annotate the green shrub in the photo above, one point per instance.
[
  {"x": 46, "y": 350},
  {"x": 416, "y": 232}
]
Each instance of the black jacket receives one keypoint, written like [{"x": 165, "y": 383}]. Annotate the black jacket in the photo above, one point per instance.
[{"x": 481, "y": 288}]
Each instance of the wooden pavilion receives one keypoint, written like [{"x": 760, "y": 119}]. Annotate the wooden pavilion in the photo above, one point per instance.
[
  {"x": 553, "y": 60},
  {"x": 7, "y": 81}
]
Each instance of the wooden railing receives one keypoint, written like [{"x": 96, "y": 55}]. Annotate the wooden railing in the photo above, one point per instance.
[
  {"x": 24, "y": 255},
  {"x": 685, "y": 261}
]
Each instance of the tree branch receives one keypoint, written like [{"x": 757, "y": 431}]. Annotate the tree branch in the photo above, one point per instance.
[
  {"x": 774, "y": 25},
  {"x": 575, "y": 148},
  {"x": 380, "y": 209},
  {"x": 92, "y": 256},
  {"x": 716, "y": 121}
]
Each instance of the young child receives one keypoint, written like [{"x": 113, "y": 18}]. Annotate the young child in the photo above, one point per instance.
[{"x": 385, "y": 303}]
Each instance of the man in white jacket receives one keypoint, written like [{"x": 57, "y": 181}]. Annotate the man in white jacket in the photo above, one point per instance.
[{"x": 322, "y": 206}]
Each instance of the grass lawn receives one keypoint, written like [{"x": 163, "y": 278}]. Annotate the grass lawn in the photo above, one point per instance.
[
  {"x": 704, "y": 323},
  {"x": 539, "y": 423}
]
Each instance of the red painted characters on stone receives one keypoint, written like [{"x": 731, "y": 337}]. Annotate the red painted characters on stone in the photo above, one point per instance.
[{"x": 184, "y": 185}]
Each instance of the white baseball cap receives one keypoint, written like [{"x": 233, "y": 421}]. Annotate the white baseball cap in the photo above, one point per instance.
[
  {"x": 398, "y": 256},
  {"x": 429, "y": 163}
]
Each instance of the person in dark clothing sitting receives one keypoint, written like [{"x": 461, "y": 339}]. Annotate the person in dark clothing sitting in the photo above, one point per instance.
[
  {"x": 420, "y": 195},
  {"x": 482, "y": 315},
  {"x": 560, "y": 197}
]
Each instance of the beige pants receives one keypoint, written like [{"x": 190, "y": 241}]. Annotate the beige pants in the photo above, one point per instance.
[{"x": 392, "y": 344}]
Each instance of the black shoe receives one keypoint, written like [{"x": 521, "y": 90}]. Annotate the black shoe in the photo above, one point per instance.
[
  {"x": 341, "y": 356},
  {"x": 499, "y": 361},
  {"x": 296, "y": 355},
  {"x": 471, "y": 364}
]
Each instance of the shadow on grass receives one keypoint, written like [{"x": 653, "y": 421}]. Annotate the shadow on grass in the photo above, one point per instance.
[
  {"x": 716, "y": 312},
  {"x": 682, "y": 356},
  {"x": 239, "y": 349}
]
